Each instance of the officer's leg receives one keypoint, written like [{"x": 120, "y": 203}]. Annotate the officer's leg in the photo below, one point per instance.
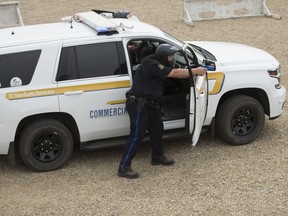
[
  {"x": 155, "y": 128},
  {"x": 138, "y": 127}
]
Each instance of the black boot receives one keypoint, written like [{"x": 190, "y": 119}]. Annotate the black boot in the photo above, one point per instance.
[
  {"x": 162, "y": 160},
  {"x": 127, "y": 172}
]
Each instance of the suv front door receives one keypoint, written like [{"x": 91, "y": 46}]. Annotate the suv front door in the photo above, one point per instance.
[{"x": 198, "y": 96}]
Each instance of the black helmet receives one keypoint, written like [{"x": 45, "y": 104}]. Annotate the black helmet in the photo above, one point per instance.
[{"x": 164, "y": 50}]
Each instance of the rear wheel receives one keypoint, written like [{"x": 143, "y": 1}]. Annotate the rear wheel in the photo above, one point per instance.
[
  {"x": 45, "y": 145},
  {"x": 240, "y": 120}
]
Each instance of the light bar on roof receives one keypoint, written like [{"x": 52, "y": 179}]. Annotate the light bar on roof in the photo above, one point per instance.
[{"x": 96, "y": 21}]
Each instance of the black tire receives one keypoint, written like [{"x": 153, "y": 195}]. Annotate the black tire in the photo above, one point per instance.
[
  {"x": 240, "y": 120},
  {"x": 45, "y": 145}
]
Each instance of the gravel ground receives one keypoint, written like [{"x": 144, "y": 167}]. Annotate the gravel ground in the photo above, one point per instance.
[{"x": 213, "y": 179}]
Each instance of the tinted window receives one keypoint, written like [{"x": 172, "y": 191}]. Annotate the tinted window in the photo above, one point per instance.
[
  {"x": 93, "y": 60},
  {"x": 20, "y": 66}
]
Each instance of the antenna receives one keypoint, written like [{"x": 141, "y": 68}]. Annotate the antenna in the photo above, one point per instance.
[
  {"x": 71, "y": 22},
  {"x": 68, "y": 19}
]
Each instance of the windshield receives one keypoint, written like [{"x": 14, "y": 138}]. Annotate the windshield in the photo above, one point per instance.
[
  {"x": 176, "y": 40},
  {"x": 199, "y": 51},
  {"x": 203, "y": 52}
]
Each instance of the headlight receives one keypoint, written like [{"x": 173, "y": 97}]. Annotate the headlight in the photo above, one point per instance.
[{"x": 275, "y": 73}]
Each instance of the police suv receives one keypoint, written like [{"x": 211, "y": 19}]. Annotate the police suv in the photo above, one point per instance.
[{"x": 63, "y": 85}]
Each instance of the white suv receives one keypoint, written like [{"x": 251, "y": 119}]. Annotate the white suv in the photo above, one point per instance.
[{"x": 63, "y": 85}]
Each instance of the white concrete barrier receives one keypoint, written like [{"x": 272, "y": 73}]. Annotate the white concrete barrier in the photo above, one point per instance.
[
  {"x": 10, "y": 14},
  {"x": 196, "y": 10}
]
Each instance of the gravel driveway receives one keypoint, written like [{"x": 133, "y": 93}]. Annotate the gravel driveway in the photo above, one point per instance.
[{"x": 213, "y": 179}]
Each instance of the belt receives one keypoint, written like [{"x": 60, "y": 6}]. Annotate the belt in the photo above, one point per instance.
[
  {"x": 135, "y": 99},
  {"x": 144, "y": 101}
]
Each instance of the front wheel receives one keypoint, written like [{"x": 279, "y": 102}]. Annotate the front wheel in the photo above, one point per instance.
[
  {"x": 45, "y": 145},
  {"x": 240, "y": 120}
]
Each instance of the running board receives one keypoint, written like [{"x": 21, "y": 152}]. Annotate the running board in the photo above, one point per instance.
[{"x": 119, "y": 141}]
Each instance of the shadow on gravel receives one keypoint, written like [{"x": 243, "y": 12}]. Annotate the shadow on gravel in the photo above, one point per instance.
[{"x": 174, "y": 147}]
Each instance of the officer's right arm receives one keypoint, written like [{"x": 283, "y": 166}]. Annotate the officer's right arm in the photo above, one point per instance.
[{"x": 184, "y": 73}]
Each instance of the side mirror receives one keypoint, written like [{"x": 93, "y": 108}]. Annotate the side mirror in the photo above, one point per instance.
[{"x": 209, "y": 64}]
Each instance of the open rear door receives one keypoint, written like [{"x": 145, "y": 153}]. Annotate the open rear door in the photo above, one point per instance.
[{"x": 198, "y": 97}]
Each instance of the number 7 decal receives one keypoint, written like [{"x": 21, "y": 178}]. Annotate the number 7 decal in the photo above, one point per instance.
[{"x": 217, "y": 79}]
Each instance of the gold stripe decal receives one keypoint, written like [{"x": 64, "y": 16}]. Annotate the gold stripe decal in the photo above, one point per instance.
[
  {"x": 62, "y": 90},
  {"x": 31, "y": 94},
  {"x": 116, "y": 102},
  {"x": 95, "y": 87}
]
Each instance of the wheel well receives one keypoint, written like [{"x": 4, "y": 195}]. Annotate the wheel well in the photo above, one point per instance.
[
  {"x": 64, "y": 118},
  {"x": 255, "y": 93}
]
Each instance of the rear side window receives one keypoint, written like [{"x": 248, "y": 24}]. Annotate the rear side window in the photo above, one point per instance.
[
  {"x": 17, "y": 69},
  {"x": 93, "y": 60}
]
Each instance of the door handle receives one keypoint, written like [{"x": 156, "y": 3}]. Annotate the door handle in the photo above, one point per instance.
[{"x": 74, "y": 92}]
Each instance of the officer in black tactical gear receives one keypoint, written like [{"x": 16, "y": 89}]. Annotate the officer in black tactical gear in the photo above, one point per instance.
[{"x": 143, "y": 106}]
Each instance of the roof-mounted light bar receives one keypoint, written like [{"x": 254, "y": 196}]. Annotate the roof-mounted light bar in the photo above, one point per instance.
[{"x": 102, "y": 25}]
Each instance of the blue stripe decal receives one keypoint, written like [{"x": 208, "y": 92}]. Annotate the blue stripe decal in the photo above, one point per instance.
[{"x": 133, "y": 141}]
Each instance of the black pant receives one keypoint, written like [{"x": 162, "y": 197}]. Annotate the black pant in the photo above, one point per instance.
[{"x": 148, "y": 119}]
